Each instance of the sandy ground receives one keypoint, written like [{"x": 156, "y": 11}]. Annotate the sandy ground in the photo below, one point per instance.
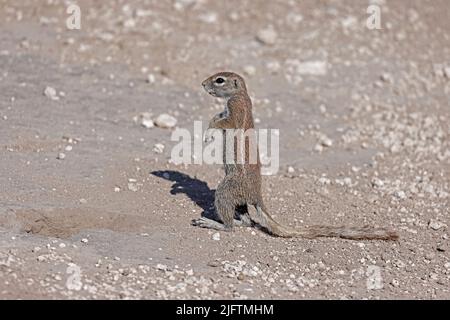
[{"x": 89, "y": 208}]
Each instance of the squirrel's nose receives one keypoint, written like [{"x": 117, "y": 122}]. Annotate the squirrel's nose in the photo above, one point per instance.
[{"x": 204, "y": 83}]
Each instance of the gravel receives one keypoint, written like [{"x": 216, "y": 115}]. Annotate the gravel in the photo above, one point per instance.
[{"x": 374, "y": 105}]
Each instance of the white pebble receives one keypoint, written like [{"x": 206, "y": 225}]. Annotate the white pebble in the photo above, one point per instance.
[
  {"x": 273, "y": 66},
  {"x": 132, "y": 187},
  {"x": 210, "y": 17},
  {"x": 313, "y": 68},
  {"x": 216, "y": 236},
  {"x": 318, "y": 148},
  {"x": 50, "y": 93},
  {"x": 267, "y": 36},
  {"x": 250, "y": 70},
  {"x": 158, "y": 148},
  {"x": 165, "y": 121},
  {"x": 146, "y": 120},
  {"x": 399, "y": 194},
  {"x": 162, "y": 267},
  {"x": 436, "y": 225},
  {"x": 325, "y": 141},
  {"x": 377, "y": 183},
  {"x": 151, "y": 78}
]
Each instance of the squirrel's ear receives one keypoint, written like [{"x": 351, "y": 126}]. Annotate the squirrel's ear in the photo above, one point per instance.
[{"x": 236, "y": 85}]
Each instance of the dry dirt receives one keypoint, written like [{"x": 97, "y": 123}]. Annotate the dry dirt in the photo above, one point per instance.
[{"x": 89, "y": 209}]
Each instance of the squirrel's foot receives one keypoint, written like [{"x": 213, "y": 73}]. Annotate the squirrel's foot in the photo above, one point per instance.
[
  {"x": 244, "y": 221},
  {"x": 210, "y": 224}
]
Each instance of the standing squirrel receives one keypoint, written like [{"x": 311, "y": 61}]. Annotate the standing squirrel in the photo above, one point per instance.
[{"x": 242, "y": 183}]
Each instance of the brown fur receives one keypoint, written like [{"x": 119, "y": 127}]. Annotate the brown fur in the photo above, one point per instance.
[{"x": 242, "y": 183}]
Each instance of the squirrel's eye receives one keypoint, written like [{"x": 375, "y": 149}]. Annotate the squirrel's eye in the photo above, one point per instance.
[{"x": 220, "y": 80}]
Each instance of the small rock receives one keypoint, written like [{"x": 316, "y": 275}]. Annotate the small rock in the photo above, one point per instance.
[
  {"x": 84, "y": 240},
  {"x": 216, "y": 236},
  {"x": 61, "y": 156},
  {"x": 349, "y": 22},
  {"x": 216, "y": 264},
  {"x": 158, "y": 148},
  {"x": 395, "y": 283},
  {"x": 377, "y": 183},
  {"x": 430, "y": 256},
  {"x": 151, "y": 78},
  {"x": 386, "y": 77},
  {"x": 436, "y": 225},
  {"x": 161, "y": 267},
  {"x": 132, "y": 186},
  {"x": 250, "y": 70},
  {"x": 209, "y": 17},
  {"x": 166, "y": 121},
  {"x": 291, "y": 169},
  {"x": 434, "y": 276},
  {"x": 116, "y": 189},
  {"x": 399, "y": 194},
  {"x": 267, "y": 36},
  {"x": 273, "y": 66},
  {"x": 145, "y": 120},
  {"x": 313, "y": 68},
  {"x": 447, "y": 72},
  {"x": 318, "y": 148},
  {"x": 324, "y": 181},
  {"x": 322, "y": 109},
  {"x": 83, "y": 201},
  {"x": 190, "y": 272},
  {"x": 50, "y": 93},
  {"x": 325, "y": 141},
  {"x": 129, "y": 23}
]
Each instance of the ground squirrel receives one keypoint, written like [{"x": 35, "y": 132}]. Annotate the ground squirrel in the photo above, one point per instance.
[{"x": 241, "y": 186}]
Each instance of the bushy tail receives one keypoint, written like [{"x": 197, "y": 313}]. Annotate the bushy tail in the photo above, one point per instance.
[{"x": 353, "y": 233}]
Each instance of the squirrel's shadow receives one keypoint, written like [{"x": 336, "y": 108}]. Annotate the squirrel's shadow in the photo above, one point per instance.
[{"x": 197, "y": 190}]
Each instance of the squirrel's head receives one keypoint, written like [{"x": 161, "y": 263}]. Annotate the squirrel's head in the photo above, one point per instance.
[{"x": 224, "y": 84}]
